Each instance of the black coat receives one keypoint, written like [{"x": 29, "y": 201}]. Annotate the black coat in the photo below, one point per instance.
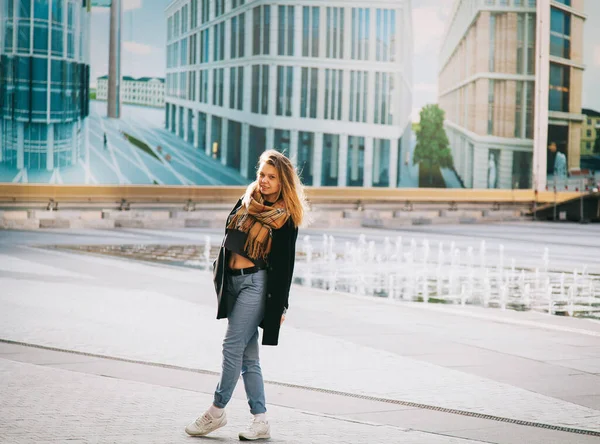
[{"x": 280, "y": 268}]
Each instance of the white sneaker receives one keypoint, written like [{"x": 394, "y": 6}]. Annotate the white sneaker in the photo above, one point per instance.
[
  {"x": 256, "y": 430},
  {"x": 205, "y": 424}
]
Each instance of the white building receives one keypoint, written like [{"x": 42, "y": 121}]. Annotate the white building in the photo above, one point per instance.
[
  {"x": 328, "y": 82},
  {"x": 147, "y": 91}
]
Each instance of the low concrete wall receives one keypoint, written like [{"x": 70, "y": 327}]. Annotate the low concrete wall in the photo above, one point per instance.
[{"x": 388, "y": 216}]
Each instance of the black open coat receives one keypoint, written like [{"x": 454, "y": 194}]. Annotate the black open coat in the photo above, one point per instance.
[{"x": 280, "y": 267}]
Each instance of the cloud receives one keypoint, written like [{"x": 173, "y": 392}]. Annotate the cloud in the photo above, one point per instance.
[
  {"x": 127, "y": 5},
  {"x": 137, "y": 48},
  {"x": 597, "y": 55},
  {"x": 414, "y": 116}
]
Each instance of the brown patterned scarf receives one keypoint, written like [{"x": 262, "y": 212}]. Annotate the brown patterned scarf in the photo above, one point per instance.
[{"x": 258, "y": 220}]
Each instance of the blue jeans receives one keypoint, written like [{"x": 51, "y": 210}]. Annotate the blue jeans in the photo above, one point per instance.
[{"x": 240, "y": 346}]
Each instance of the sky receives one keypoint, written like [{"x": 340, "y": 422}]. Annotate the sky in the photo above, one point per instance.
[{"x": 144, "y": 52}]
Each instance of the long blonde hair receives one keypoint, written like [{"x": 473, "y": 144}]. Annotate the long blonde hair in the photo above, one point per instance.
[{"x": 292, "y": 190}]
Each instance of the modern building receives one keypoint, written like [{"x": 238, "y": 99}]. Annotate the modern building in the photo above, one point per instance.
[
  {"x": 487, "y": 86},
  {"x": 590, "y": 131},
  {"x": 328, "y": 82},
  {"x": 146, "y": 91},
  {"x": 44, "y": 82}
]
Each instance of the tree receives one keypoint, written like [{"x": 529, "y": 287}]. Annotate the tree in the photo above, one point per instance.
[{"x": 433, "y": 146}]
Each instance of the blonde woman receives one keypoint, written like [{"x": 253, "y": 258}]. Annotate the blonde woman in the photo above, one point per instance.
[{"x": 252, "y": 275}]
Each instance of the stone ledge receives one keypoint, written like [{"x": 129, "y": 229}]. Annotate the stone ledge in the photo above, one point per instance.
[{"x": 55, "y": 223}]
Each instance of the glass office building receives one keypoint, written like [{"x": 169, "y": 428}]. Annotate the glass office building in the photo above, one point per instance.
[
  {"x": 44, "y": 82},
  {"x": 328, "y": 82}
]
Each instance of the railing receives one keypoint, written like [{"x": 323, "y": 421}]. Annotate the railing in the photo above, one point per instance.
[{"x": 153, "y": 194}]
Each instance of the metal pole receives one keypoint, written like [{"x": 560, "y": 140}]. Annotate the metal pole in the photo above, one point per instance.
[{"x": 114, "y": 61}]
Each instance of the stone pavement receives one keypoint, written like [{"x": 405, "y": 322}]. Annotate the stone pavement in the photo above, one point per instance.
[{"x": 402, "y": 372}]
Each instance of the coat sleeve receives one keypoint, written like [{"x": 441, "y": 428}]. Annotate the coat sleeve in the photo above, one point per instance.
[{"x": 291, "y": 260}]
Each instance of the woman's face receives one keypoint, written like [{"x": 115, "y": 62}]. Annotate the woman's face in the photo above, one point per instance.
[{"x": 269, "y": 182}]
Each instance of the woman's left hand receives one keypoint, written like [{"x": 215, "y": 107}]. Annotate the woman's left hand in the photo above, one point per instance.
[{"x": 282, "y": 319}]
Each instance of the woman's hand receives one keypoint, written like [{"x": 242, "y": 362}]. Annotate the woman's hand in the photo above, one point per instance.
[{"x": 282, "y": 319}]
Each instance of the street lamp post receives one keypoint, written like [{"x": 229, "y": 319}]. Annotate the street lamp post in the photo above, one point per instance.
[{"x": 114, "y": 61}]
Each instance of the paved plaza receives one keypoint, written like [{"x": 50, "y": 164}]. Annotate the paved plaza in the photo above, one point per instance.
[
  {"x": 100, "y": 349},
  {"x": 121, "y": 162}
]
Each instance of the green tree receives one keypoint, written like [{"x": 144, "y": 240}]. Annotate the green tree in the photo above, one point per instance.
[{"x": 433, "y": 147}]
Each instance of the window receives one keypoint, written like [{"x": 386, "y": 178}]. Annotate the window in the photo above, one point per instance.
[
  {"x": 306, "y": 142},
  {"x": 360, "y": 33},
  {"x": 282, "y": 141},
  {"x": 381, "y": 162},
  {"x": 519, "y": 105},
  {"x": 184, "y": 19},
  {"x": 261, "y": 29},
  {"x": 191, "y": 85},
  {"x": 57, "y": 28},
  {"x": 356, "y": 161},
  {"x": 490, "y": 125},
  {"x": 383, "y": 98},
  {"x": 219, "y": 7},
  {"x": 385, "y": 35},
  {"x": 234, "y": 144},
  {"x": 257, "y": 144},
  {"x": 194, "y": 14},
  {"x": 238, "y": 34},
  {"x": 260, "y": 89},
  {"x": 236, "y": 87},
  {"x": 310, "y": 31},
  {"x": 285, "y": 44},
  {"x": 333, "y": 94},
  {"x": 203, "y": 86},
  {"x": 236, "y": 3},
  {"x": 218, "y": 81},
  {"x": 560, "y": 33},
  {"x": 308, "y": 92},
  {"x": 492, "y": 59},
  {"x": 331, "y": 154},
  {"x": 589, "y": 133},
  {"x": 564, "y": 2},
  {"x": 183, "y": 52},
  {"x": 335, "y": 32},
  {"x": 204, "y": 45},
  {"x": 284, "y": 90},
  {"x": 193, "y": 50},
  {"x": 559, "y": 87},
  {"x": 205, "y": 11},
  {"x": 219, "y": 42},
  {"x": 358, "y": 96}
]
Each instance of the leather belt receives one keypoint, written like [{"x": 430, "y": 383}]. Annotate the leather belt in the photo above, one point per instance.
[{"x": 244, "y": 271}]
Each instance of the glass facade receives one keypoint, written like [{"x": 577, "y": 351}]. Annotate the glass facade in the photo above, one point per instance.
[{"x": 44, "y": 84}]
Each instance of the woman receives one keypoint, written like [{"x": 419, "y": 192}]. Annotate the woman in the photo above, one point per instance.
[{"x": 253, "y": 274}]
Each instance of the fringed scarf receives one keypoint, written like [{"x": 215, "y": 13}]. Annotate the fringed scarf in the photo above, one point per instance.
[{"x": 258, "y": 220}]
